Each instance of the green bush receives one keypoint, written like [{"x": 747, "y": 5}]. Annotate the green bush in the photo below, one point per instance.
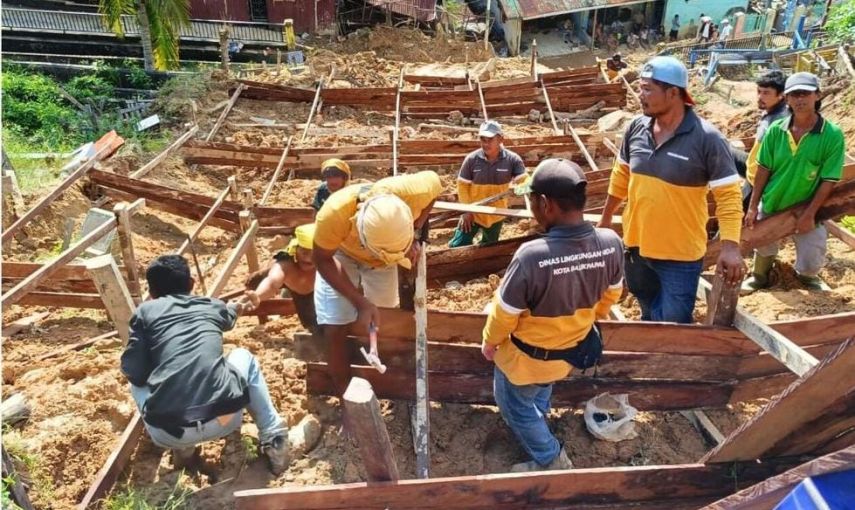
[
  {"x": 34, "y": 110},
  {"x": 88, "y": 86},
  {"x": 841, "y": 22}
]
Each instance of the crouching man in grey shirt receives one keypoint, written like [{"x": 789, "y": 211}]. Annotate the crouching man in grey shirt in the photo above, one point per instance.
[{"x": 185, "y": 389}]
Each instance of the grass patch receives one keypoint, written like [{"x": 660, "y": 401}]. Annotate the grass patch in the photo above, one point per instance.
[
  {"x": 848, "y": 223},
  {"x": 133, "y": 499},
  {"x": 42, "y": 483},
  {"x": 249, "y": 448}
]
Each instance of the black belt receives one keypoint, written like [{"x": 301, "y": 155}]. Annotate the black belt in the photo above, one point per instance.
[
  {"x": 174, "y": 423},
  {"x": 583, "y": 355}
]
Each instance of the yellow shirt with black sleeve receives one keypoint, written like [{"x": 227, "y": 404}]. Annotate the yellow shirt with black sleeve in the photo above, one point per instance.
[
  {"x": 479, "y": 179},
  {"x": 335, "y": 224},
  {"x": 554, "y": 289},
  {"x": 666, "y": 188}
]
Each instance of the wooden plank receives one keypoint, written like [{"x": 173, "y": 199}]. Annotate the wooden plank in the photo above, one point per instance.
[
  {"x": 232, "y": 262},
  {"x": 39, "y": 206},
  {"x": 313, "y": 109},
  {"x": 548, "y": 103},
  {"x": 817, "y": 330},
  {"x": 775, "y": 227},
  {"x": 581, "y": 145},
  {"x": 764, "y": 364},
  {"x": 63, "y": 300},
  {"x": 151, "y": 165},
  {"x": 114, "y": 294},
  {"x": 762, "y": 387},
  {"x": 483, "y": 103},
  {"x": 721, "y": 303},
  {"x": 804, "y": 400},
  {"x": 767, "y": 494},
  {"x": 369, "y": 429},
  {"x": 204, "y": 221},
  {"x": 645, "y": 394},
  {"x": 396, "y": 131},
  {"x": 421, "y": 419},
  {"x": 466, "y": 358},
  {"x": 836, "y": 423},
  {"x": 32, "y": 281},
  {"x": 115, "y": 463},
  {"x": 225, "y": 113},
  {"x": 23, "y": 323},
  {"x": 276, "y": 173},
  {"x": 126, "y": 243},
  {"x": 840, "y": 232},
  {"x": 577, "y": 488}
]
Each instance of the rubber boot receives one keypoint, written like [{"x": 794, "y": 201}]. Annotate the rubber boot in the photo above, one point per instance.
[
  {"x": 813, "y": 282},
  {"x": 562, "y": 461},
  {"x": 759, "y": 278},
  {"x": 186, "y": 458}
]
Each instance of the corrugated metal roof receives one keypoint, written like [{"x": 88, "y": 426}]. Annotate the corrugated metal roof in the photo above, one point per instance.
[
  {"x": 531, "y": 9},
  {"x": 422, "y": 10}
]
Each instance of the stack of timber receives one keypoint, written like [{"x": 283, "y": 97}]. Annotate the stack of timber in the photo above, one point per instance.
[
  {"x": 412, "y": 153},
  {"x": 568, "y": 91}
]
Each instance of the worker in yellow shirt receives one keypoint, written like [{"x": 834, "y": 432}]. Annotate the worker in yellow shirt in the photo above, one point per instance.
[
  {"x": 292, "y": 269},
  {"x": 362, "y": 233},
  {"x": 541, "y": 320},
  {"x": 485, "y": 172},
  {"x": 669, "y": 161}
]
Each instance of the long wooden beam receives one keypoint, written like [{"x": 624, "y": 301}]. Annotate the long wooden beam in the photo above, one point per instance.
[
  {"x": 115, "y": 463},
  {"x": 203, "y": 222},
  {"x": 31, "y": 282},
  {"x": 775, "y": 227},
  {"x": 276, "y": 173},
  {"x": 805, "y": 400},
  {"x": 225, "y": 113},
  {"x": 644, "y": 487},
  {"x": 151, "y": 165},
  {"x": 840, "y": 232},
  {"x": 66, "y": 183},
  {"x": 768, "y": 493},
  {"x": 232, "y": 262}
]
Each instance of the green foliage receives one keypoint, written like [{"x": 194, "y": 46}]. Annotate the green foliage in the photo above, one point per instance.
[
  {"x": 42, "y": 481},
  {"x": 137, "y": 76},
  {"x": 249, "y": 448},
  {"x": 34, "y": 110},
  {"x": 841, "y": 22},
  {"x": 6, "y": 494},
  {"x": 88, "y": 87},
  {"x": 131, "y": 499},
  {"x": 174, "y": 96},
  {"x": 165, "y": 19}
]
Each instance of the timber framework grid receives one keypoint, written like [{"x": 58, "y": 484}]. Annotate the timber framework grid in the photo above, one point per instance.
[{"x": 804, "y": 366}]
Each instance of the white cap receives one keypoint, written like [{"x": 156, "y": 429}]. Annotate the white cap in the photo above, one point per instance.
[{"x": 490, "y": 129}]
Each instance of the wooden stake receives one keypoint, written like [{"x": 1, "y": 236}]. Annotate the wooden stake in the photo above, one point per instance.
[
  {"x": 721, "y": 303},
  {"x": 17, "y": 491},
  {"x": 199, "y": 272},
  {"x": 487, "y": 31},
  {"x": 481, "y": 97},
  {"x": 126, "y": 242},
  {"x": 549, "y": 107},
  {"x": 31, "y": 282},
  {"x": 109, "y": 473},
  {"x": 631, "y": 91},
  {"x": 421, "y": 438},
  {"x": 225, "y": 113},
  {"x": 369, "y": 429},
  {"x": 396, "y": 132},
  {"x": 588, "y": 158},
  {"x": 533, "y": 70},
  {"x": 312, "y": 111},
  {"x": 279, "y": 166},
  {"x": 234, "y": 258},
  {"x": 114, "y": 293},
  {"x": 251, "y": 251},
  {"x": 50, "y": 197},
  {"x": 151, "y": 165},
  {"x": 208, "y": 215},
  {"x": 233, "y": 188}
]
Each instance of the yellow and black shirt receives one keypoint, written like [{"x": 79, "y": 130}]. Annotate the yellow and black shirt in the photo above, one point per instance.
[
  {"x": 553, "y": 290},
  {"x": 666, "y": 187},
  {"x": 479, "y": 179}
]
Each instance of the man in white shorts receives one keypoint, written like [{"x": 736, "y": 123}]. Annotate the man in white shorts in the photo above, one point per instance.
[{"x": 363, "y": 232}]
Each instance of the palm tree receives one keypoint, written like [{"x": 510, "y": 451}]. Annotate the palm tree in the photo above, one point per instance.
[{"x": 159, "y": 21}]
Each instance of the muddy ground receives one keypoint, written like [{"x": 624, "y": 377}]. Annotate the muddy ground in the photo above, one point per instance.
[{"x": 80, "y": 400}]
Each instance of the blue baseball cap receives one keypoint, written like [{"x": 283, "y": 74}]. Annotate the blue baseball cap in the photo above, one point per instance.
[{"x": 668, "y": 70}]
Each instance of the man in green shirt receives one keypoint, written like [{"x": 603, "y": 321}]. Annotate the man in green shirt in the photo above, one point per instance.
[{"x": 800, "y": 159}]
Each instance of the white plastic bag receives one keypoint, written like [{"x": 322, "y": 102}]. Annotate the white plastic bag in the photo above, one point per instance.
[{"x": 609, "y": 417}]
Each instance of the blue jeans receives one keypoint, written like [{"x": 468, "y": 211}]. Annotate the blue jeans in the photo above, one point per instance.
[
  {"x": 665, "y": 289},
  {"x": 260, "y": 407},
  {"x": 524, "y": 409}
]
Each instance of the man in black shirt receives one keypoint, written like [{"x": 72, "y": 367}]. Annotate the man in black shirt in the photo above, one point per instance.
[{"x": 186, "y": 390}]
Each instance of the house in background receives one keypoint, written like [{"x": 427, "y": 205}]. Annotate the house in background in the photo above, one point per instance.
[{"x": 308, "y": 15}]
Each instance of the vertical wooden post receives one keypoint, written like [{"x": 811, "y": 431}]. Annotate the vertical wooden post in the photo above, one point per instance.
[
  {"x": 233, "y": 188},
  {"x": 533, "y": 70},
  {"x": 367, "y": 425},
  {"x": 549, "y": 107},
  {"x": 114, "y": 293},
  {"x": 483, "y": 103},
  {"x": 224, "y": 47},
  {"x": 421, "y": 425},
  {"x": 721, "y": 305},
  {"x": 487, "y": 27},
  {"x": 245, "y": 218},
  {"x": 594, "y": 31},
  {"x": 126, "y": 242}
]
